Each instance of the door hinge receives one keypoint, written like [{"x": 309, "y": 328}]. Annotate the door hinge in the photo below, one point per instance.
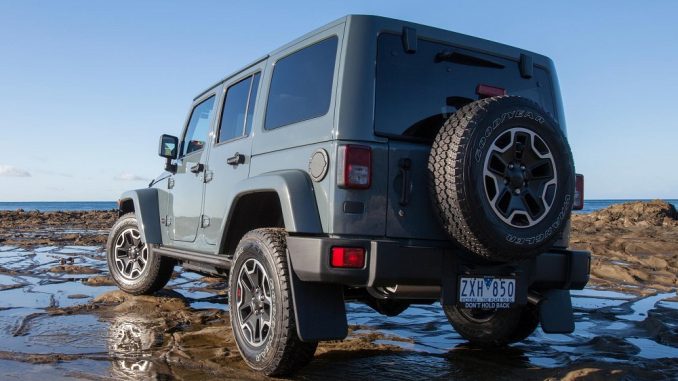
[
  {"x": 170, "y": 183},
  {"x": 205, "y": 221},
  {"x": 166, "y": 220},
  {"x": 208, "y": 176}
]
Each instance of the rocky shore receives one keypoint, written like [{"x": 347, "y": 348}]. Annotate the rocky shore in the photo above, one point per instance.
[
  {"x": 33, "y": 228},
  {"x": 634, "y": 245},
  {"x": 62, "y": 316}
]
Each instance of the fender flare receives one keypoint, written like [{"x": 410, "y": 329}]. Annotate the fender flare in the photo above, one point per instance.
[
  {"x": 296, "y": 194},
  {"x": 146, "y": 210}
]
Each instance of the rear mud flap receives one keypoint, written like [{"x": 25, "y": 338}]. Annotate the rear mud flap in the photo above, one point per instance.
[
  {"x": 555, "y": 312},
  {"x": 319, "y": 309}
]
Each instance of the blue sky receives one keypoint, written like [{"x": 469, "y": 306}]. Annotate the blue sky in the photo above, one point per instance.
[{"x": 86, "y": 87}]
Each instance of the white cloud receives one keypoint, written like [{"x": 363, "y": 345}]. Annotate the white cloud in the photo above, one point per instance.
[
  {"x": 126, "y": 176},
  {"x": 10, "y": 171}
]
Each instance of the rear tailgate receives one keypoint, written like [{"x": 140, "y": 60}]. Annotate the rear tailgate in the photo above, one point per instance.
[{"x": 415, "y": 93}]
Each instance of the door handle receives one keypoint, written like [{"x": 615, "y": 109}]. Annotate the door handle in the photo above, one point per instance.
[
  {"x": 236, "y": 159},
  {"x": 198, "y": 168}
]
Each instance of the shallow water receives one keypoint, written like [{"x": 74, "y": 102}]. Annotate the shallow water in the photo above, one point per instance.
[{"x": 43, "y": 333}]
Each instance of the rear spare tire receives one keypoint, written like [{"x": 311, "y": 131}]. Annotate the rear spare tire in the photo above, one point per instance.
[{"x": 502, "y": 178}]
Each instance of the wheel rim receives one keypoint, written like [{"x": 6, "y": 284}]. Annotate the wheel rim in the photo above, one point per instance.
[
  {"x": 520, "y": 177},
  {"x": 131, "y": 254},
  {"x": 254, "y": 302}
]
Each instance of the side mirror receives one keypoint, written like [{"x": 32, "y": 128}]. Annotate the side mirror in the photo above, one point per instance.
[
  {"x": 169, "y": 146},
  {"x": 169, "y": 149}
]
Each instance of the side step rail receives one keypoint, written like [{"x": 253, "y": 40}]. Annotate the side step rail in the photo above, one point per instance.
[{"x": 193, "y": 257}]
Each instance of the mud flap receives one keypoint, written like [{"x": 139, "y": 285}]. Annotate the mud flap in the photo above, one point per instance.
[
  {"x": 555, "y": 312},
  {"x": 319, "y": 309}
]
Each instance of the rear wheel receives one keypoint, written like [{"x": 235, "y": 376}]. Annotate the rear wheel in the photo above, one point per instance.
[
  {"x": 493, "y": 328},
  {"x": 262, "y": 312},
  {"x": 133, "y": 266}
]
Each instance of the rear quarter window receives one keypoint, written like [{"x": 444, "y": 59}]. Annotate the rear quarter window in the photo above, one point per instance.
[{"x": 301, "y": 85}]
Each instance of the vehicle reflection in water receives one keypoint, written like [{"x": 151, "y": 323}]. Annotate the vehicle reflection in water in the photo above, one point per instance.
[{"x": 132, "y": 340}]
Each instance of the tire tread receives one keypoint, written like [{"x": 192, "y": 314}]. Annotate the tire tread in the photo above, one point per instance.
[{"x": 293, "y": 353}]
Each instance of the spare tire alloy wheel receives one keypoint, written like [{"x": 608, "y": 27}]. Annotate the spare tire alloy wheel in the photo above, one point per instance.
[
  {"x": 520, "y": 177},
  {"x": 502, "y": 178}
]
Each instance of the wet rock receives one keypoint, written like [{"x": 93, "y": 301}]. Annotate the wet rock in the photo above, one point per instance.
[
  {"x": 55, "y": 227},
  {"x": 633, "y": 244},
  {"x": 74, "y": 269},
  {"x": 99, "y": 281},
  {"x": 591, "y": 374},
  {"x": 64, "y": 261},
  {"x": 78, "y": 296},
  {"x": 211, "y": 279}
]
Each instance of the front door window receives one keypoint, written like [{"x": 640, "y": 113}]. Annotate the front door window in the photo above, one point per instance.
[{"x": 198, "y": 127}]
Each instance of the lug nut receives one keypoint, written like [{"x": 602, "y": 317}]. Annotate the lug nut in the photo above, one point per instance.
[
  {"x": 517, "y": 191},
  {"x": 510, "y": 166},
  {"x": 522, "y": 167}
]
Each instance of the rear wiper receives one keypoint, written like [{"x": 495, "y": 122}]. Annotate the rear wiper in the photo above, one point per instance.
[{"x": 467, "y": 59}]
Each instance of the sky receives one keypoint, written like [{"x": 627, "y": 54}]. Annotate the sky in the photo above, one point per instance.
[{"x": 87, "y": 87}]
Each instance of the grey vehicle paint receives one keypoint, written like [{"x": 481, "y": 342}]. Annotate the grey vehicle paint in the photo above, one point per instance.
[{"x": 350, "y": 120}]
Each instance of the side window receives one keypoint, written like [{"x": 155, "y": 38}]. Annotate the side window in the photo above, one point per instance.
[
  {"x": 252, "y": 102},
  {"x": 301, "y": 86},
  {"x": 198, "y": 127},
  {"x": 236, "y": 115}
]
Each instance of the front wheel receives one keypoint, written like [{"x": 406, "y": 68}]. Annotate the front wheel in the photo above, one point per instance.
[
  {"x": 262, "y": 312},
  {"x": 133, "y": 266},
  {"x": 493, "y": 328}
]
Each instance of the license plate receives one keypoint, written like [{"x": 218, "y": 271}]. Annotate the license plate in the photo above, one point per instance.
[{"x": 487, "y": 292}]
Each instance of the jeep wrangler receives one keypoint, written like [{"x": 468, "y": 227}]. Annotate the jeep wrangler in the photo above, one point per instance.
[{"x": 372, "y": 160}]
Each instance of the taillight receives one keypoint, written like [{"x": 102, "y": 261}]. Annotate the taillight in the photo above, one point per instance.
[
  {"x": 354, "y": 166},
  {"x": 348, "y": 257},
  {"x": 578, "y": 203},
  {"x": 489, "y": 91}
]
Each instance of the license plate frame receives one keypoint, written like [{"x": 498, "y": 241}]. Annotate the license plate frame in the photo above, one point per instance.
[{"x": 487, "y": 291}]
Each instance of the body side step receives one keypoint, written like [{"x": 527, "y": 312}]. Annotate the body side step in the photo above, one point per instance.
[{"x": 192, "y": 256}]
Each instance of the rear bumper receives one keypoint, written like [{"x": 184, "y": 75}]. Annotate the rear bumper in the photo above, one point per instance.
[{"x": 390, "y": 263}]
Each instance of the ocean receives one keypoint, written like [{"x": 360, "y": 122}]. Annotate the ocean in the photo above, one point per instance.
[{"x": 49, "y": 206}]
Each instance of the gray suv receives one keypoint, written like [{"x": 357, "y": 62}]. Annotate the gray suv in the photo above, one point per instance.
[{"x": 372, "y": 160}]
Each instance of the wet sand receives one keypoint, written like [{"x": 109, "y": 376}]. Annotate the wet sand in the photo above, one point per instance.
[{"x": 61, "y": 317}]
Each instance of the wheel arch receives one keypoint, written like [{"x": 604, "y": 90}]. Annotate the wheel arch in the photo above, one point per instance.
[
  {"x": 145, "y": 206},
  {"x": 284, "y": 199}
]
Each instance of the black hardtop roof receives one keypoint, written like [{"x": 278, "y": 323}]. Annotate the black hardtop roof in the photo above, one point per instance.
[{"x": 384, "y": 24}]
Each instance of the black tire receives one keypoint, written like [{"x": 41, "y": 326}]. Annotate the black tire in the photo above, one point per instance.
[
  {"x": 479, "y": 160},
  {"x": 491, "y": 329},
  {"x": 277, "y": 350},
  {"x": 156, "y": 271}
]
